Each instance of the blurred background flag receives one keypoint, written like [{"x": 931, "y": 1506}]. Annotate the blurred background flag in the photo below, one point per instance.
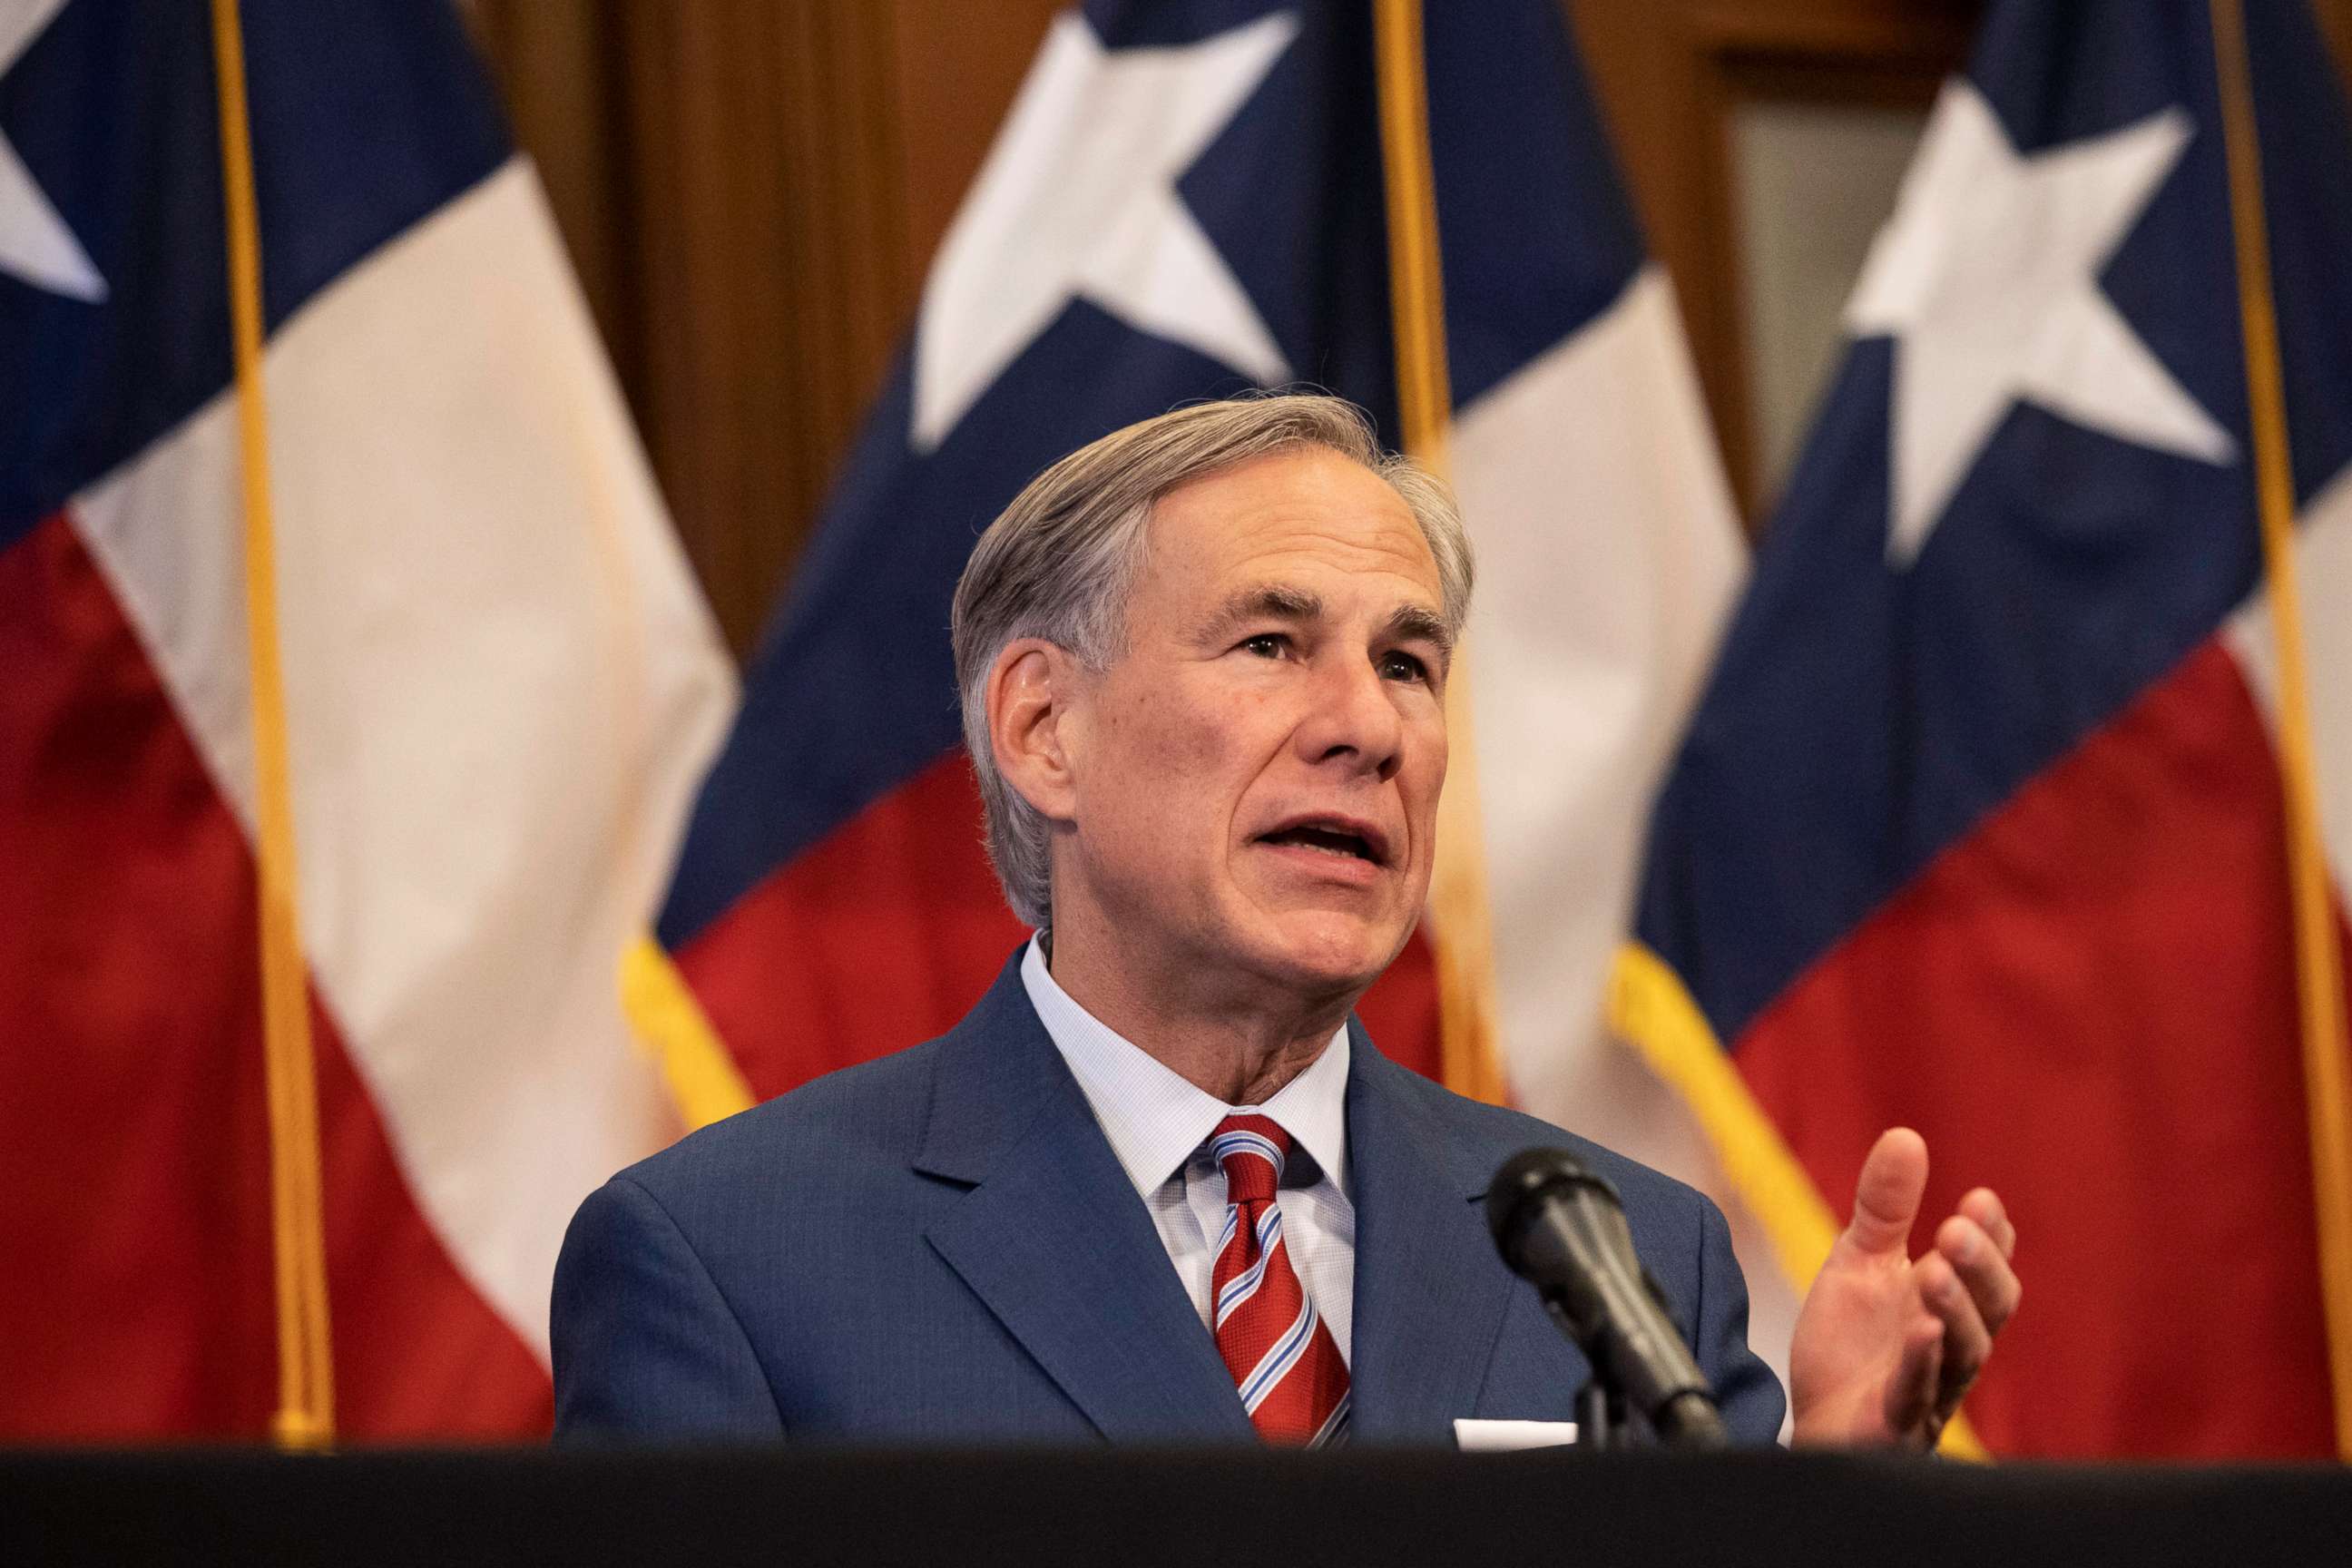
[
  {"x": 500, "y": 685},
  {"x": 1188, "y": 200},
  {"x": 1982, "y": 825}
]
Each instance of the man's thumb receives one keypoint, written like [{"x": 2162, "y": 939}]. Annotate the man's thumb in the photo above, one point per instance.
[{"x": 1887, "y": 1198}]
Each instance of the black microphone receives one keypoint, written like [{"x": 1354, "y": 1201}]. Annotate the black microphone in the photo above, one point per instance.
[{"x": 1563, "y": 1228}]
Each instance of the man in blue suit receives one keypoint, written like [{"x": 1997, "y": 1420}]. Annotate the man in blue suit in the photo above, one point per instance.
[{"x": 1159, "y": 1185}]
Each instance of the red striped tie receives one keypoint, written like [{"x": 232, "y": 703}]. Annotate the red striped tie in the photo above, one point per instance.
[{"x": 1279, "y": 1349}]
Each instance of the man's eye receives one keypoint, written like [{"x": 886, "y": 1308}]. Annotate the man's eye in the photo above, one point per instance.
[
  {"x": 1268, "y": 645},
  {"x": 1402, "y": 667}
]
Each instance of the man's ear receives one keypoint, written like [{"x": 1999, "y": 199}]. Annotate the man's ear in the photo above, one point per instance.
[{"x": 1031, "y": 689}]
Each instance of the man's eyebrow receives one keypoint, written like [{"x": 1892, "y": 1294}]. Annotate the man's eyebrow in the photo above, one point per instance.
[
  {"x": 1273, "y": 602},
  {"x": 1414, "y": 621}
]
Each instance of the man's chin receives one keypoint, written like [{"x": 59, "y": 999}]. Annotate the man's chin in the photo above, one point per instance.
[{"x": 1324, "y": 953}]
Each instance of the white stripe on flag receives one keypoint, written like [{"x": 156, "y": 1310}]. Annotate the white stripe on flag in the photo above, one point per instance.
[{"x": 502, "y": 686}]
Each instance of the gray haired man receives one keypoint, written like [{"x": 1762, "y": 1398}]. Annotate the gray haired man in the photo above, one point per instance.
[{"x": 1159, "y": 1185}]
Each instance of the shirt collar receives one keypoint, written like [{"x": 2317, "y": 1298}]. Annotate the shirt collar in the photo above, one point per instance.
[{"x": 1153, "y": 1117}]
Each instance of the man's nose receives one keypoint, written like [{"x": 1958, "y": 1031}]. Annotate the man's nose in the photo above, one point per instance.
[{"x": 1354, "y": 719}]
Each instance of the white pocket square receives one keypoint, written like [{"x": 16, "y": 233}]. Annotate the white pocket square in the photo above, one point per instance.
[{"x": 1502, "y": 1436}]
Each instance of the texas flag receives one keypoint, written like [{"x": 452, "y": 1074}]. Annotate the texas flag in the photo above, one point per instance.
[
  {"x": 501, "y": 686},
  {"x": 1187, "y": 200},
  {"x": 1978, "y": 826}
]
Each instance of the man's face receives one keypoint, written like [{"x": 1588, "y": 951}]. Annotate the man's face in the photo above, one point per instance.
[{"x": 1256, "y": 774}]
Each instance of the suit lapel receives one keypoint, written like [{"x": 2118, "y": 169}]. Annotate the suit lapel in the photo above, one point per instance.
[
  {"x": 1055, "y": 1240},
  {"x": 1429, "y": 1293}
]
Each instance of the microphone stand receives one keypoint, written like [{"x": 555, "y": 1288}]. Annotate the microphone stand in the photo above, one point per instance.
[{"x": 1601, "y": 1419}]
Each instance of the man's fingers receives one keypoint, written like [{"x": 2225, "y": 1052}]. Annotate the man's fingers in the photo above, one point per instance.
[
  {"x": 1887, "y": 1198},
  {"x": 1984, "y": 1205},
  {"x": 1966, "y": 1339},
  {"x": 1982, "y": 1266}
]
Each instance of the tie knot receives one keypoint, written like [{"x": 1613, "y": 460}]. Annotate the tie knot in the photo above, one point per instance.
[{"x": 1250, "y": 1149}]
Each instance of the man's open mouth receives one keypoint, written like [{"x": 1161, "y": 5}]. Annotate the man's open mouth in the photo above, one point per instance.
[{"x": 1353, "y": 840}]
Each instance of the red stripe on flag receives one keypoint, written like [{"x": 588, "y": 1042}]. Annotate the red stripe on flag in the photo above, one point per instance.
[
  {"x": 887, "y": 930},
  {"x": 2089, "y": 1003},
  {"x": 135, "y": 1297}
]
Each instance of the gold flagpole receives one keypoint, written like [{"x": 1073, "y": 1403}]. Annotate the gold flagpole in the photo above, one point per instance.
[
  {"x": 306, "y": 1392},
  {"x": 1457, "y": 891},
  {"x": 2318, "y": 960}
]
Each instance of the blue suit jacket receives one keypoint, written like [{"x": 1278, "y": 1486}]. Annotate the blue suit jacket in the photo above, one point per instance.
[{"x": 939, "y": 1246}]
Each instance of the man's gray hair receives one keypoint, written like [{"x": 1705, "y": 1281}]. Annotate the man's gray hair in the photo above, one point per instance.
[{"x": 1059, "y": 562}]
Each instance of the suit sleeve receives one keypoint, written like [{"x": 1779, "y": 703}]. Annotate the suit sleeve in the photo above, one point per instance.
[
  {"x": 1746, "y": 1391},
  {"x": 643, "y": 1344}
]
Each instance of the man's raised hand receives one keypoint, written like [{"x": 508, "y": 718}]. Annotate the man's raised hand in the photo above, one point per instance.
[{"x": 1887, "y": 1344}]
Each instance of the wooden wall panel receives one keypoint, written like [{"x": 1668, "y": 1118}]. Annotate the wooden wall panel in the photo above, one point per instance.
[
  {"x": 959, "y": 66},
  {"x": 773, "y": 266}
]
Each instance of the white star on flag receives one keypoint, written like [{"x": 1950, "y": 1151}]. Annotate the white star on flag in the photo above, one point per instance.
[
  {"x": 1077, "y": 200},
  {"x": 1988, "y": 277},
  {"x": 34, "y": 243}
]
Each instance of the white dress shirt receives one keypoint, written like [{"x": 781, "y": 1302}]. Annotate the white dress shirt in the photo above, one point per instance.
[{"x": 1158, "y": 1126}]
